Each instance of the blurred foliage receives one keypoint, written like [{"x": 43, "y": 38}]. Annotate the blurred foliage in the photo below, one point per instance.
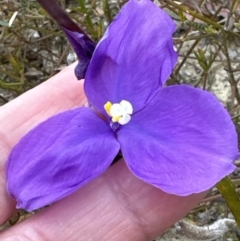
[{"x": 207, "y": 38}]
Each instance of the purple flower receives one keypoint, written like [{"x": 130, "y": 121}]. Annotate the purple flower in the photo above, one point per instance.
[{"x": 178, "y": 138}]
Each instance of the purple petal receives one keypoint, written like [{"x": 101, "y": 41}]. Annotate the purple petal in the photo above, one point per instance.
[
  {"x": 134, "y": 58},
  {"x": 59, "y": 156},
  {"x": 183, "y": 142},
  {"x": 83, "y": 47}
]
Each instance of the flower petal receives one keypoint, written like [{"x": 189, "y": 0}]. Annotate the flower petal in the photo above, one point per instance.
[
  {"x": 183, "y": 142},
  {"x": 83, "y": 47},
  {"x": 133, "y": 59},
  {"x": 59, "y": 156}
]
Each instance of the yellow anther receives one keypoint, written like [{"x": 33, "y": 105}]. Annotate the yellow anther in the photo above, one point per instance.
[
  {"x": 116, "y": 118},
  {"x": 107, "y": 107}
]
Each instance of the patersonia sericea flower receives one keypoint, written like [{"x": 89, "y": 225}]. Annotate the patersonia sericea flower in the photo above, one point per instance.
[{"x": 178, "y": 138}]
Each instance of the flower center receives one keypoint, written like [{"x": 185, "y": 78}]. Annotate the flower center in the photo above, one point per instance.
[{"x": 120, "y": 112}]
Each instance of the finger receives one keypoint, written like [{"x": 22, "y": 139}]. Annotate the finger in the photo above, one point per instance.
[
  {"x": 59, "y": 93},
  {"x": 116, "y": 206}
]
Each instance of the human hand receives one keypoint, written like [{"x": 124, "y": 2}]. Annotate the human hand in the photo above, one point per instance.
[{"x": 115, "y": 206}]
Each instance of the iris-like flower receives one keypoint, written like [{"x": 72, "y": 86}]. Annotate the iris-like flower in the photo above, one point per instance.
[{"x": 178, "y": 138}]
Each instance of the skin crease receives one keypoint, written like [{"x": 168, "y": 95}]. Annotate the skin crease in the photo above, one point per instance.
[{"x": 116, "y": 206}]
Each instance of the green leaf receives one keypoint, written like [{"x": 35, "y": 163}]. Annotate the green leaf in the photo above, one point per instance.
[
  {"x": 200, "y": 56},
  {"x": 181, "y": 16},
  {"x": 227, "y": 189},
  {"x": 15, "y": 63},
  {"x": 201, "y": 53},
  {"x": 11, "y": 86}
]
